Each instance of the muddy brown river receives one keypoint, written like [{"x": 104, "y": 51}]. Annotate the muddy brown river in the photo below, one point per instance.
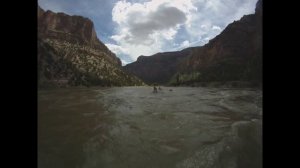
[{"x": 131, "y": 127}]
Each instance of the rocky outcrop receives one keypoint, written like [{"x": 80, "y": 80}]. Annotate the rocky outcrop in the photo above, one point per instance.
[
  {"x": 74, "y": 29},
  {"x": 69, "y": 53}
]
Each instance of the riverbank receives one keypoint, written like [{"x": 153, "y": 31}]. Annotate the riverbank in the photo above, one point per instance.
[{"x": 223, "y": 84}]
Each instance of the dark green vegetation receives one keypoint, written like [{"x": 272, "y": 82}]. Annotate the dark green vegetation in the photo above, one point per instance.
[{"x": 58, "y": 66}]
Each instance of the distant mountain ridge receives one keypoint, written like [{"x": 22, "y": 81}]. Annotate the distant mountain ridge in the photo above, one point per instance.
[
  {"x": 70, "y": 54},
  {"x": 234, "y": 55},
  {"x": 157, "y": 68}
]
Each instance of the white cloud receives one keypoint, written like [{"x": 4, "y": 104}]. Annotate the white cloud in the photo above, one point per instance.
[
  {"x": 216, "y": 28},
  {"x": 139, "y": 23},
  {"x": 148, "y": 27},
  {"x": 117, "y": 49},
  {"x": 145, "y": 28},
  {"x": 185, "y": 44}
]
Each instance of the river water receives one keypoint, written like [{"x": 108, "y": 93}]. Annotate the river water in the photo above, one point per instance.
[{"x": 131, "y": 127}]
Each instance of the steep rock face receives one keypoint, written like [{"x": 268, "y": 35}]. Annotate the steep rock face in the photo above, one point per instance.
[
  {"x": 74, "y": 29},
  {"x": 158, "y": 68},
  {"x": 69, "y": 53}
]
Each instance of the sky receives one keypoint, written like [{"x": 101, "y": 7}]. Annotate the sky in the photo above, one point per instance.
[{"x": 131, "y": 28}]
